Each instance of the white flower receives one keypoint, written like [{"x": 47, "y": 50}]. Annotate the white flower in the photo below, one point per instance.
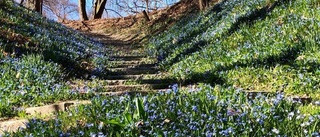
[
  {"x": 290, "y": 115},
  {"x": 276, "y": 131}
]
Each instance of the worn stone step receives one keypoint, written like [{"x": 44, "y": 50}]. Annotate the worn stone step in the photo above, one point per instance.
[
  {"x": 132, "y": 71},
  {"x": 128, "y": 58},
  {"x": 12, "y": 125},
  {"x": 115, "y": 88},
  {"x": 133, "y": 92},
  {"x": 142, "y": 81},
  {"x": 136, "y": 53},
  {"x": 133, "y": 77},
  {"x": 132, "y": 62},
  {"x": 133, "y": 65},
  {"x": 123, "y": 51},
  {"x": 133, "y": 68},
  {"x": 52, "y": 108}
]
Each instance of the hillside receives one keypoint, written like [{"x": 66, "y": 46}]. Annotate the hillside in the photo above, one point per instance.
[
  {"x": 135, "y": 28},
  {"x": 252, "y": 45},
  {"x": 240, "y": 68},
  {"x": 38, "y": 56}
]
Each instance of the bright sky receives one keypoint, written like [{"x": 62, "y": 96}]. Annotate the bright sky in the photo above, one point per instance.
[
  {"x": 75, "y": 16},
  {"x": 109, "y": 6}
]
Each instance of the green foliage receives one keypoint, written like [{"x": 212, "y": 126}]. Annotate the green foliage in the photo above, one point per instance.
[
  {"x": 29, "y": 81},
  {"x": 205, "y": 111},
  {"x": 237, "y": 45},
  {"x": 37, "y": 56},
  {"x": 247, "y": 44}
]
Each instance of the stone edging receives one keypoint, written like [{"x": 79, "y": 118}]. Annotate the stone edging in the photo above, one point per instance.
[{"x": 13, "y": 125}]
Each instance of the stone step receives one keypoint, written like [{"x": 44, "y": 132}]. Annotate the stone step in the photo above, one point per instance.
[
  {"x": 142, "y": 81},
  {"x": 133, "y": 77},
  {"x": 133, "y": 66},
  {"x": 136, "y": 68},
  {"x": 116, "y": 88},
  {"x": 132, "y": 71},
  {"x": 123, "y": 51},
  {"x": 48, "y": 109},
  {"x": 142, "y": 92},
  {"x": 132, "y": 62},
  {"x": 12, "y": 125},
  {"x": 128, "y": 58},
  {"x": 126, "y": 54}
]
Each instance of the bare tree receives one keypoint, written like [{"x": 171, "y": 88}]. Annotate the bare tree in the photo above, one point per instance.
[
  {"x": 35, "y": 5},
  {"x": 61, "y": 9},
  {"x": 82, "y": 10},
  {"x": 99, "y": 6},
  {"x": 136, "y": 6},
  {"x": 147, "y": 5}
]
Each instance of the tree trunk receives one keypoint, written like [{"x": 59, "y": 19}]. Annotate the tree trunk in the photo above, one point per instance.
[
  {"x": 99, "y": 6},
  {"x": 31, "y": 4},
  {"x": 145, "y": 14},
  {"x": 39, "y": 6},
  {"x": 147, "y": 6},
  {"x": 35, "y": 5},
  {"x": 21, "y": 2},
  {"x": 203, "y": 4},
  {"x": 82, "y": 10}
]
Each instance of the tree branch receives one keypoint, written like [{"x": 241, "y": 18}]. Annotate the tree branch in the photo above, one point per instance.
[{"x": 113, "y": 11}]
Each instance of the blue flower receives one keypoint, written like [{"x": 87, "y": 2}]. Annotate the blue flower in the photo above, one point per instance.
[
  {"x": 81, "y": 133},
  {"x": 175, "y": 88},
  {"x": 194, "y": 108},
  {"x": 209, "y": 134},
  {"x": 89, "y": 125}
]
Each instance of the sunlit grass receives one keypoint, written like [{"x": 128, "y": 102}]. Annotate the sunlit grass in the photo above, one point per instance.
[{"x": 272, "y": 52}]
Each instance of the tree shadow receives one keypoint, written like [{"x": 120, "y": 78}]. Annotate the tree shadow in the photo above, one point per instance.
[
  {"x": 256, "y": 15},
  {"x": 18, "y": 45},
  {"x": 286, "y": 57},
  {"x": 250, "y": 19},
  {"x": 204, "y": 26}
]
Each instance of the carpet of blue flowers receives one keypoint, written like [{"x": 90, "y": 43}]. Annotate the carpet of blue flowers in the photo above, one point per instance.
[
  {"x": 255, "y": 45},
  {"x": 237, "y": 45},
  {"x": 205, "y": 111},
  {"x": 37, "y": 56}
]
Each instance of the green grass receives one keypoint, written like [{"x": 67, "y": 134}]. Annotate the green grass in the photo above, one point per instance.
[
  {"x": 38, "y": 57},
  {"x": 236, "y": 46},
  {"x": 251, "y": 45},
  {"x": 205, "y": 111}
]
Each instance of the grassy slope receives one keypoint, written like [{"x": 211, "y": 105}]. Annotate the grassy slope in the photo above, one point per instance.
[
  {"x": 37, "y": 56},
  {"x": 253, "y": 45}
]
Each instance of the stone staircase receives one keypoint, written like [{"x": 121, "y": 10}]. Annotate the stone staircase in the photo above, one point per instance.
[{"x": 131, "y": 72}]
